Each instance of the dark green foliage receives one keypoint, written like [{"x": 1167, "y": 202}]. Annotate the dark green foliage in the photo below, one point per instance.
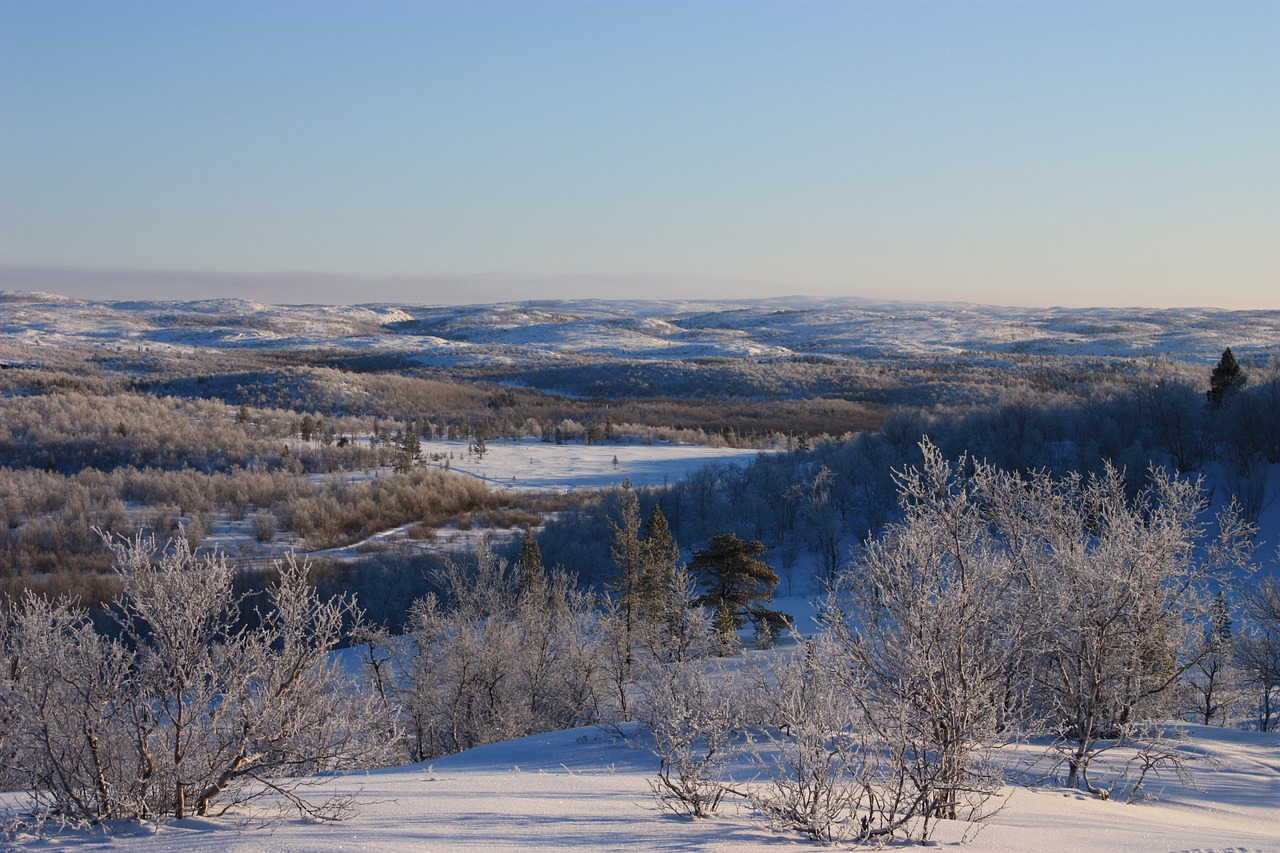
[
  {"x": 1226, "y": 378},
  {"x": 659, "y": 554},
  {"x": 736, "y": 580}
]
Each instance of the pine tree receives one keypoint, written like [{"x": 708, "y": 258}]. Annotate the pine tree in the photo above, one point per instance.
[
  {"x": 531, "y": 572},
  {"x": 659, "y": 555},
  {"x": 628, "y": 555},
  {"x": 1226, "y": 378},
  {"x": 725, "y": 626},
  {"x": 409, "y": 450},
  {"x": 736, "y": 579}
]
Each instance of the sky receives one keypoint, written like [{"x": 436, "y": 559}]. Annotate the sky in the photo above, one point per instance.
[{"x": 1117, "y": 152}]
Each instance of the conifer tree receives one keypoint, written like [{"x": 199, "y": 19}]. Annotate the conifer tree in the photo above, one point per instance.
[
  {"x": 736, "y": 579},
  {"x": 725, "y": 625},
  {"x": 1226, "y": 377},
  {"x": 409, "y": 450},
  {"x": 659, "y": 555},
  {"x": 531, "y": 572},
  {"x": 628, "y": 554}
]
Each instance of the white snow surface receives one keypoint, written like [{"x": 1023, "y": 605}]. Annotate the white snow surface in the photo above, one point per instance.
[
  {"x": 534, "y": 465},
  {"x": 666, "y": 330},
  {"x": 587, "y": 790}
]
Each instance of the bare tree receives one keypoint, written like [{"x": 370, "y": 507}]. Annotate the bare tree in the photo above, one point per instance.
[
  {"x": 822, "y": 768},
  {"x": 222, "y": 712},
  {"x": 497, "y": 657},
  {"x": 927, "y": 618},
  {"x": 1258, "y": 650},
  {"x": 191, "y": 711},
  {"x": 65, "y": 735},
  {"x": 821, "y": 519},
  {"x": 1120, "y": 590},
  {"x": 695, "y": 718},
  {"x": 1214, "y": 681}
]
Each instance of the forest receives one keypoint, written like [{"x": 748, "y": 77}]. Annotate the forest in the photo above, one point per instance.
[{"x": 1071, "y": 548}]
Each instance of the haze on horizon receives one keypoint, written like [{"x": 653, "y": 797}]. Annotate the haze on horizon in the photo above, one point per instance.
[{"x": 1050, "y": 153}]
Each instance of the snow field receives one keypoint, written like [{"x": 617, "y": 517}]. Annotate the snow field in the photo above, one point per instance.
[
  {"x": 586, "y": 790},
  {"x": 531, "y": 464}
]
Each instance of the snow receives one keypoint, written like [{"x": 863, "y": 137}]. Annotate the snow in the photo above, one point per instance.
[
  {"x": 531, "y": 464},
  {"x": 586, "y": 789},
  {"x": 665, "y": 330}
]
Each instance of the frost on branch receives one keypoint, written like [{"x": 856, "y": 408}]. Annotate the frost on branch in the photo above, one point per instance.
[{"x": 191, "y": 710}]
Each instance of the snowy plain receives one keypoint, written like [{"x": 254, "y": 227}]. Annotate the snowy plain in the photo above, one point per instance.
[{"x": 531, "y": 464}]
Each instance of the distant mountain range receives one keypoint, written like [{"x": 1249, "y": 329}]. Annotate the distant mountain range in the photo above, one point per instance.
[{"x": 637, "y": 329}]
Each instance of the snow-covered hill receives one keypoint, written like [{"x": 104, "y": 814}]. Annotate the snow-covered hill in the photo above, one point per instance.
[
  {"x": 587, "y": 790},
  {"x": 668, "y": 330}
]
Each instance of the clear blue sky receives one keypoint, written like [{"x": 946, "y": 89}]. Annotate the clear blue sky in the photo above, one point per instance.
[{"x": 1033, "y": 153}]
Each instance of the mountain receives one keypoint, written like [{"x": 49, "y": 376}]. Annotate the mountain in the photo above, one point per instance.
[{"x": 531, "y": 331}]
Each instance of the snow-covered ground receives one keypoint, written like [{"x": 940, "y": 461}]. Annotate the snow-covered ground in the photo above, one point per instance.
[
  {"x": 587, "y": 790},
  {"x": 667, "y": 330},
  {"x": 536, "y": 465}
]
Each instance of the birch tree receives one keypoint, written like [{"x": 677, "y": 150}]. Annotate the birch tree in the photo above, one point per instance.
[
  {"x": 1121, "y": 591},
  {"x": 191, "y": 711}
]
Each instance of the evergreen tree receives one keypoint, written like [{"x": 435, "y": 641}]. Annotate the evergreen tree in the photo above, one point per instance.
[
  {"x": 725, "y": 626},
  {"x": 736, "y": 579},
  {"x": 659, "y": 555},
  {"x": 409, "y": 450},
  {"x": 531, "y": 572},
  {"x": 1226, "y": 378},
  {"x": 628, "y": 554}
]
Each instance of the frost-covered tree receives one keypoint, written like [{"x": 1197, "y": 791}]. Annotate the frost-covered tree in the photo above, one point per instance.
[
  {"x": 822, "y": 773},
  {"x": 927, "y": 617},
  {"x": 224, "y": 706},
  {"x": 1120, "y": 591},
  {"x": 66, "y": 696},
  {"x": 822, "y": 520},
  {"x": 695, "y": 717},
  {"x": 490, "y": 659},
  {"x": 1213, "y": 680},
  {"x": 1004, "y": 601},
  {"x": 1258, "y": 650},
  {"x": 190, "y": 711}
]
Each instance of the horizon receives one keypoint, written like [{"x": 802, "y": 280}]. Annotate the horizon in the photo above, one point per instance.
[{"x": 327, "y": 289}]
